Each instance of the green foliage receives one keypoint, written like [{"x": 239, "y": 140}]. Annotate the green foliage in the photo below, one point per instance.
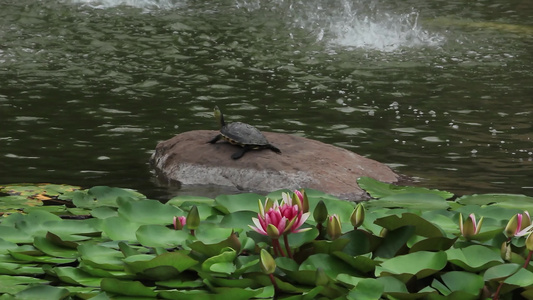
[{"x": 112, "y": 243}]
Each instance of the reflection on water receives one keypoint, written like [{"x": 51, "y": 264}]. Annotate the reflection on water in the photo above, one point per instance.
[{"x": 440, "y": 91}]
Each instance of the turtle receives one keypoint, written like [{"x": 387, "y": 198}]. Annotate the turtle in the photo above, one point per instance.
[{"x": 241, "y": 134}]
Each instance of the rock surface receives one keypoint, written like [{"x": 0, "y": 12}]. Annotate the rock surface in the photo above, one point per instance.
[{"x": 303, "y": 163}]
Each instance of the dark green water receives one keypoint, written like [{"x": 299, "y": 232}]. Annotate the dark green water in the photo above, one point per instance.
[{"x": 439, "y": 90}]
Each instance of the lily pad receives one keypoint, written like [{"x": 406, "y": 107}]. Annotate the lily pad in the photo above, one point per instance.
[
  {"x": 474, "y": 258},
  {"x": 420, "y": 264},
  {"x": 378, "y": 189},
  {"x": 127, "y": 288}
]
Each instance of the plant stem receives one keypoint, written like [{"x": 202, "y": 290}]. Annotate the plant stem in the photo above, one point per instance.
[
  {"x": 273, "y": 280},
  {"x": 497, "y": 293},
  {"x": 192, "y": 232},
  {"x": 287, "y": 247},
  {"x": 277, "y": 248},
  {"x": 528, "y": 259}
]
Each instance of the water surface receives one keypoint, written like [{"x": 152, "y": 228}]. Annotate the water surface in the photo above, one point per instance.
[{"x": 439, "y": 90}]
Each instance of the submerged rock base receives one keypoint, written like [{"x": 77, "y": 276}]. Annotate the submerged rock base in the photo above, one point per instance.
[{"x": 303, "y": 163}]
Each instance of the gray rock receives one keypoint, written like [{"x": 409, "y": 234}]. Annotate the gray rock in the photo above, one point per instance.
[{"x": 303, "y": 163}]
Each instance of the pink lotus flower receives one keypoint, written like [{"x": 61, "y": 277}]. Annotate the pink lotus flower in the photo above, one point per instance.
[
  {"x": 275, "y": 221},
  {"x": 282, "y": 219}
]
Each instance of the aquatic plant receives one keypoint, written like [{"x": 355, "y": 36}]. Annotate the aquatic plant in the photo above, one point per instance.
[{"x": 64, "y": 242}]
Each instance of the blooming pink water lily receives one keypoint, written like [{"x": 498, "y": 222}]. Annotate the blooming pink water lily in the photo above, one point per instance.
[
  {"x": 524, "y": 225},
  {"x": 283, "y": 219}
]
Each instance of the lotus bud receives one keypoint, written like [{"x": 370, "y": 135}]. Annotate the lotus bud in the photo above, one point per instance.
[
  {"x": 193, "y": 218},
  {"x": 334, "y": 228},
  {"x": 513, "y": 226},
  {"x": 321, "y": 212},
  {"x": 469, "y": 228},
  {"x": 267, "y": 262},
  {"x": 302, "y": 196},
  {"x": 179, "y": 222},
  {"x": 529, "y": 241},
  {"x": 505, "y": 251},
  {"x": 358, "y": 216},
  {"x": 526, "y": 220}
]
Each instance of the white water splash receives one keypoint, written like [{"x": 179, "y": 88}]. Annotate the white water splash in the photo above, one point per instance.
[{"x": 381, "y": 31}]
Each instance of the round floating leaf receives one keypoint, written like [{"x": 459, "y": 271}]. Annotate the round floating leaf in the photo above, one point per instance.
[
  {"x": 188, "y": 199},
  {"x": 161, "y": 236},
  {"x": 331, "y": 265},
  {"x": 239, "y": 219},
  {"x": 48, "y": 247},
  {"x": 120, "y": 229},
  {"x": 147, "y": 211},
  {"x": 73, "y": 275},
  {"x": 161, "y": 267},
  {"x": 41, "y": 259},
  {"x": 458, "y": 281},
  {"x": 14, "y": 235},
  {"x": 5, "y": 246},
  {"x": 104, "y": 212},
  {"x": 522, "y": 278},
  {"x": 422, "y": 226},
  {"x": 474, "y": 258},
  {"x": 378, "y": 189},
  {"x": 499, "y": 272},
  {"x": 486, "y": 199},
  {"x": 15, "y": 284},
  {"x": 233, "y": 293},
  {"x": 367, "y": 289},
  {"x": 127, "y": 288},
  {"x": 43, "y": 292},
  {"x": 420, "y": 264},
  {"x": 186, "y": 295},
  {"x": 239, "y": 202},
  {"x": 221, "y": 263},
  {"x": 433, "y": 244},
  {"x": 411, "y": 201},
  {"x": 101, "y": 257}
]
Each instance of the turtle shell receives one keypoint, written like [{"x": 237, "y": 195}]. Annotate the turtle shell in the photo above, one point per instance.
[{"x": 243, "y": 134}]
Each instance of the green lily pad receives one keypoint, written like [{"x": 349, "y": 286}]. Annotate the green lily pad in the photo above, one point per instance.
[
  {"x": 474, "y": 258},
  {"x": 41, "y": 259},
  {"x": 15, "y": 284},
  {"x": 420, "y": 264},
  {"x": 186, "y": 295},
  {"x": 161, "y": 236},
  {"x": 14, "y": 235},
  {"x": 161, "y": 267},
  {"x": 378, "y": 189},
  {"x": 487, "y": 199},
  {"x": 120, "y": 229},
  {"x": 37, "y": 292},
  {"x": 501, "y": 271},
  {"x": 147, "y": 211},
  {"x": 184, "y": 199},
  {"x": 102, "y": 196},
  {"x": 459, "y": 281},
  {"x": 422, "y": 226},
  {"x": 214, "y": 249},
  {"x": 127, "y": 288},
  {"x": 522, "y": 278},
  {"x": 330, "y": 264},
  {"x": 101, "y": 257},
  {"x": 76, "y": 276},
  {"x": 48, "y": 247},
  {"x": 416, "y": 201},
  {"x": 221, "y": 263},
  {"x": 367, "y": 289},
  {"x": 239, "y": 202}
]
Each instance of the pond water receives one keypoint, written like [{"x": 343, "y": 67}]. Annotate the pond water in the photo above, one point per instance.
[{"x": 439, "y": 90}]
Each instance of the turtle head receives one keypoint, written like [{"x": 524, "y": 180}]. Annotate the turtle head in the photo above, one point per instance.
[{"x": 219, "y": 116}]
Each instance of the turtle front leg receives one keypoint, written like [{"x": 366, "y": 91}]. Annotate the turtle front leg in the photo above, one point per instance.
[
  {"x": 239, "y": 154},
  {"x": 215, "y": 139}
]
